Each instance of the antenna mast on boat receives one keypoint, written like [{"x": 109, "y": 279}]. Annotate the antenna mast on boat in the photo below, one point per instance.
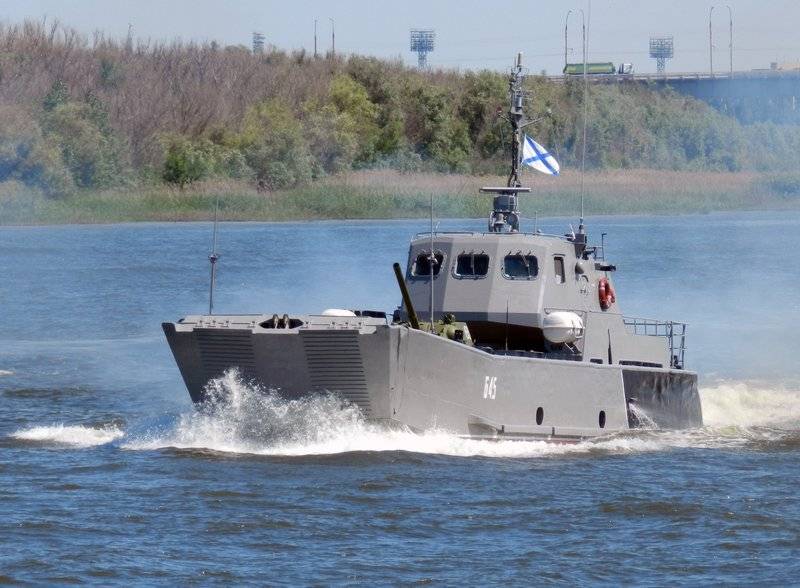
[
  {"x": 505, "y": 216},
  {"x": 515, "y": 116},
  {"x": 432, "y": 260},
  {"x": 213, "y": 260},
  {"x": 581, "y": 227}
]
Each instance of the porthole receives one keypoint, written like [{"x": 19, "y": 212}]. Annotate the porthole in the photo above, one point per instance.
[
  {"x": 602, "y": 419},
  {"x": 539, "y": 415}
]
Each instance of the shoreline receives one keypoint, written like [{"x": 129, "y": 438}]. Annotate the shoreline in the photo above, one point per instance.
[
  {"x": 389, "y": 195},
  {"x": 555, "y": 217}
]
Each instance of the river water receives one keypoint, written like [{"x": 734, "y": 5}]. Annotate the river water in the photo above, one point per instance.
[{"x": 108, "y": 474}]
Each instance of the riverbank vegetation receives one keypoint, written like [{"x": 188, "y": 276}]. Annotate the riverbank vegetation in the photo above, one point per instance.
[
  {"x": 391, "y": 194},
  {"x": 100, "y": 130}
]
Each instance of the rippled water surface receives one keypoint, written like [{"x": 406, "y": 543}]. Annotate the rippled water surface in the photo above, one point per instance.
[{"x": 109, "y": 475}]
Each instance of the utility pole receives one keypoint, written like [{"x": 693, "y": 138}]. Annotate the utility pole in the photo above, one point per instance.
[
  {"x": 710, "y": 44},
  {"x": 333, "y": 38},
  {"x": 585, "y": 111},
  {"x": 730, "y": 45},
  {"x": 566, "y": 24},
  {"x": 315, "y": 38}
]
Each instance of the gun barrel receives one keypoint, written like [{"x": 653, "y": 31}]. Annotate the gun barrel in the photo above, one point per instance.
[{"x": 412, "y": 315}]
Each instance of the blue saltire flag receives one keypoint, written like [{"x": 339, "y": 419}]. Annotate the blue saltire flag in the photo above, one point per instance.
[{"x": 538, "y": 157}]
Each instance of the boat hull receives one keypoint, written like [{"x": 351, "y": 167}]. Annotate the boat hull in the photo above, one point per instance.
[{"x": 421, "y": 381}]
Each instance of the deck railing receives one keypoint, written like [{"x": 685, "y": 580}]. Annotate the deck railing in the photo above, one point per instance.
[{"x": 675, "y": 333}]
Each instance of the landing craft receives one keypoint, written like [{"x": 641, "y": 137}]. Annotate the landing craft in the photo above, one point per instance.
[{"x": 524, "y": 338}]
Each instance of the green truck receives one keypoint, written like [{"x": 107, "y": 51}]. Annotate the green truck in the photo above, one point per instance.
[{"x": 606, "y": 67}]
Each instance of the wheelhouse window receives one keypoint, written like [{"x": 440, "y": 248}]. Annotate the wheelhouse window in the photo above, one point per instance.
[
  {"x": 520, "y": 267},
  {"x": 422, "y": 264},
  {"x": 472, "y": 265},
  {"x": 558, "y": 266}
]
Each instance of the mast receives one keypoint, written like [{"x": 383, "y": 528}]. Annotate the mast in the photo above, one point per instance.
[
  {"x": 213, "y": 260},
  {"x": 581, "y": 238},
  {"x": 515, "y": 117},
  {"x": 432, "y": 261},
  {"x": 505, "y": 215}
]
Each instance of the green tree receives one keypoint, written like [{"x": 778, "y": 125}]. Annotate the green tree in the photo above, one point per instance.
[
  {"x": 435, "y": 129},
  {"x": 88, "y": 146},
  {"x": 27, "y": 157},
  {"x": 184, "y": 163},
  {"x": 381, "y": 81},
  {"x": 391, "y": 136},
  {"x": 333, "y": 138},
  {"x": 188, "y": 161},
  {"x": 483, "y": 98},
  {"x": 111, "y": 74},
  {"x": 274, "y": 146},
  {"x": 57, "y": 96},
  {"x": 351, "y": 100}
]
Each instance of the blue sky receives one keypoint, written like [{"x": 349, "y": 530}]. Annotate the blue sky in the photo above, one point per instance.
[{"x": 470, "y": 34}]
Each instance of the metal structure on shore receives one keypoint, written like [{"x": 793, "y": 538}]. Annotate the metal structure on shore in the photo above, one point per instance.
[{"x": 422, "y": 42}]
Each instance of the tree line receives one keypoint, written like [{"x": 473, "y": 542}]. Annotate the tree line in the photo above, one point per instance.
[{"x": 82, "y": 113}]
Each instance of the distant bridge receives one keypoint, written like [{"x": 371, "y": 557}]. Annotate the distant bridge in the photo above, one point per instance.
[{"x": 750, "y": 96}]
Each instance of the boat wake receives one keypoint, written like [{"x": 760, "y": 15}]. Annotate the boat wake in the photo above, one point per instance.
[
  {"x": 245, "y": 419},
  {"x": 70, "y": 435},
  {"x": 744, "y": 404},
  {"x": 241, "y": 418}
]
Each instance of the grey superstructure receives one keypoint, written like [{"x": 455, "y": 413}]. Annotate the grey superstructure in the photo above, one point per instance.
[{"x": 527, "y": 339}]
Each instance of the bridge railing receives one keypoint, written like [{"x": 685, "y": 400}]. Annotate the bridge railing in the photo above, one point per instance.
[{"x": 681, "y": 76}]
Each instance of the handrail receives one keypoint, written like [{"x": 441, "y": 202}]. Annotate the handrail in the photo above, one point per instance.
[
  {"x": 524, "y": 233},
  {"x": 674, "y": 332}
]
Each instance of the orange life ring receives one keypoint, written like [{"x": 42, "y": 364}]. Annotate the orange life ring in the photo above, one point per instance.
[{"x": 606, "y": 294}]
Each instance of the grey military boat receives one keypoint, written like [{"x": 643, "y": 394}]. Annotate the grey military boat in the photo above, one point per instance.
[{"x": 524, "y": 338}]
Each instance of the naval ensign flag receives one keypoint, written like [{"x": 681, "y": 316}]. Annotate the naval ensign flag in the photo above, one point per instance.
[{"x": 538, "y": 157}]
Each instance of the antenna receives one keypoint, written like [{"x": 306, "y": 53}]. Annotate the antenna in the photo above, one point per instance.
[
  {"x": 516, "y": 116},
  {"x": 432, "y": 261},
  {"x": 213, "y": 260},
  {"x": 422, "y": 42},
  {"x": 585, "y": 112},
  {"x": 661, "y": 49}
]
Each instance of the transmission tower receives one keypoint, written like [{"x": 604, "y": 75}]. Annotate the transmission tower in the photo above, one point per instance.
[
  {"x": 661, "y": 49},
  {"x": 422, "y": 41},
  {"x": 258, "y": 42}
]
